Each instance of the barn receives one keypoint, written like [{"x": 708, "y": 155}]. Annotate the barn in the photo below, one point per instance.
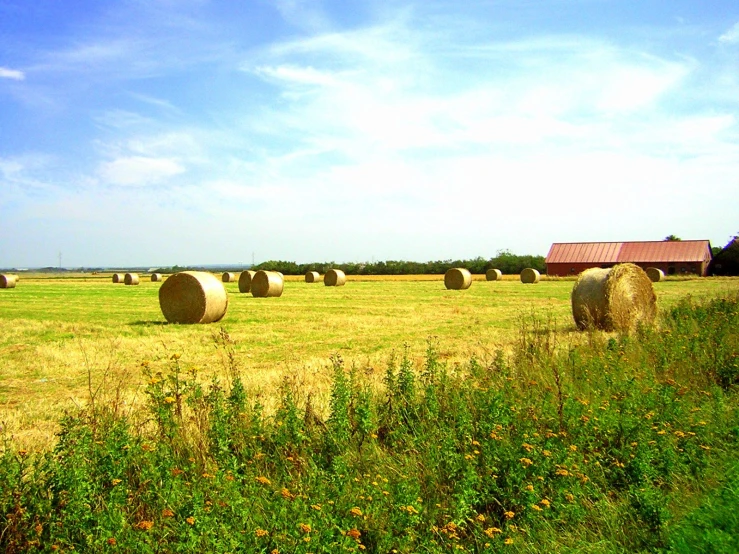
[
  {"x": 726, "y": 262},
  {"x": 672, "y": 257}
]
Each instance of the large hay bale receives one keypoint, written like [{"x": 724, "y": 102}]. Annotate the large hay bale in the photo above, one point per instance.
[
  {"x": 266, "y": 284},
  {"x": 156, "y": 277},
  {"x": 131, "y": 279},
  {"x": 312, "y": 276},
  {"x": 655, "y": 274},
  {"x": 458, "y": 278},
  {"x": 193, "y": 297},
  {"x": 8, "y": 281},
  {"x": 245, "y": 280},
  {"x": 228, "y": 277},
  {"x": 493, "y": 275},
  {"x": 530, "y": 275},
  {"x": 118, "y": 277},
  {"x": 334, "y": 278},
  {"x": 614, "y": 299}
]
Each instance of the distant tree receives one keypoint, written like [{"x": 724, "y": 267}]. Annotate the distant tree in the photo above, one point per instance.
[
  {"x": 672, "y": 238},
  {"x": 715, "y": 250}
]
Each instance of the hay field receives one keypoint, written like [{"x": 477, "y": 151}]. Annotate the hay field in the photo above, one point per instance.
[{"x": 64, "y": 338}]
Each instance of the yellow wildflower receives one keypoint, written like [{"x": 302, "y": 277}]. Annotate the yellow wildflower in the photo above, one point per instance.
[
  {"x": 355, "y": 511},
  {"x": 263, "y": 480},
  {"x": 304, "y": 528},
  {"x": 526, "y": 462},
  {"x": 190, "y": 520},
  {"x": 509, "y": 514},
  {"x": 261, "y": 532}
]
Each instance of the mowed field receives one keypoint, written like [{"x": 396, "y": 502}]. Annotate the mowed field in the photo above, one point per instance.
[{"x": 66, "y": 338}]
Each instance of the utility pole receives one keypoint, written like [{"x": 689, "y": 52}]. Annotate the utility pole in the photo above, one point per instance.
[{"x": 252, "y": 258}]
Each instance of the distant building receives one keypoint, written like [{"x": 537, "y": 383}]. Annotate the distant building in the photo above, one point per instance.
[
  {"x": 672, "y": 257},
  {"x": 726, "y": 262}
]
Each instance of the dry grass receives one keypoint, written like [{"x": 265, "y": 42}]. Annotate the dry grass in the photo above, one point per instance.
[{"x": 68, "y": 336}]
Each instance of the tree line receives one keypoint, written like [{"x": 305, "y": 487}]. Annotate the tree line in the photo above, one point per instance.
[{"x": 507, "y": 262}]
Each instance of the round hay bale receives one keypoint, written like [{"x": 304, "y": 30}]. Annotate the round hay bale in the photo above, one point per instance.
[
  {"x": 312, "y": 277},
  {"x": 493, "y": 275},
  {"x": 245, "y": 280},
  {"x": 334, "y": 278},
  {"x": 118, "y": 277},
  {"x": 193, "y": 297},
  {"x": 8, "y": 281},
  {"x": 266, "y": 284},
  {"x": 458, "y": 278},
  {"x": 156, "y": 277},
  {"x": 613, "y": 299},
  {"x": 530, "y": 275},
  {"x": 131, "y": 279},
  {"x": 228, "y": 277},
  {"x": 655, "y": 274}
]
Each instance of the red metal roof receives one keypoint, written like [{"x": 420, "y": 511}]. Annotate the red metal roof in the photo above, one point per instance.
[
  {"x": 584, "y": 252},
  {"x": 619, "y": 252}
]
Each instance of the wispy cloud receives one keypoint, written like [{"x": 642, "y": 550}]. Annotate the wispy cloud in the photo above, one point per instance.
[
  {"x": 13, "y": 74},
  {"x": 139, "y": 171},
  {"x": 731, "y": 36}
]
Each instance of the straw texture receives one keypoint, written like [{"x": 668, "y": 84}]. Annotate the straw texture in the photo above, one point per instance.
[
  {"x": 131, "y": 279},
  {"x": 457, "y": 278},
  {"x": 614, "y": 299},
  {"x": 334, "y": 278},
  {"x": 228, "y": 277},
  {"x": 118, "y": 277},
  {"x": 245, "y": 280},
  {"x": 156, "y": 277},
  {"x": 655, "y": 274},
  {"x": 193, "y": 297},
  {"x": 530, "y": 275},
  {"x": 312, "y": 277},
  {"x": 8, "y": 281},
  {"x": 266, "y": 284},
  {"x": 493, "y": 275}
]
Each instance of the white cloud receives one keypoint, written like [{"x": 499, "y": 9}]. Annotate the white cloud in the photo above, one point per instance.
[
  {"x": 731, "y": 36},
  {"x": 13, "y": 74},
  {"x": 139, "y": 170}
]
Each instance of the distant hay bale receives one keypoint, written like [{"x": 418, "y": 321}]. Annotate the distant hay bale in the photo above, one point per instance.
[
  {"x": 8, "y": 281},
  {"x": 613, "y": 299},
  {"x": 131, "y": 279},
  {"x": 245, "y": 280},
  {"x": 193, "y": 297},
  {"x": 118, "y": 277},
  {"x": 228, "y": 277},
  {"x": 655, "y": 274},
  {"x": 156, "y": 277},
  {"x": 457, "y": 278},
  {"x": 312, "y": 277},
  {"x": 266, "y": 284},
  {"x": 530, "y": 275},
  {"x": 334, "y": 278},
  {"x": 493, "y": 275}
]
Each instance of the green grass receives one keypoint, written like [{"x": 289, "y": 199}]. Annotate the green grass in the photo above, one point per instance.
[{"x": 605, "y": 444}]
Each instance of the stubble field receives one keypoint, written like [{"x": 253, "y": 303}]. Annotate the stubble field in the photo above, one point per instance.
[{"x": 67, "y": 338}]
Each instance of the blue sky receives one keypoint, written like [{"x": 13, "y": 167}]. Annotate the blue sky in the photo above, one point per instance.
[{"x": 161, "y": 132}]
